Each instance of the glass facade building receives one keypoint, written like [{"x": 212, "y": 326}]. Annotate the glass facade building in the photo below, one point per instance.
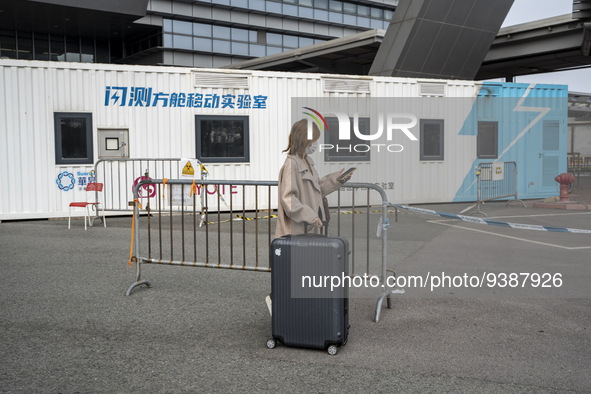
[{"x": 206, "y": 33}]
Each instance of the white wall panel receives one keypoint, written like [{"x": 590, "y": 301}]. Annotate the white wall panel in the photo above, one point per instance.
[{"x": 31, "y": 92}]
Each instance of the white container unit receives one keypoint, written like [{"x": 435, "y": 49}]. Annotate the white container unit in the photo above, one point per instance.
[{"x": 58, "y": 119}]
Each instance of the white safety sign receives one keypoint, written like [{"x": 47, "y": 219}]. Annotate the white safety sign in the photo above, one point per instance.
[{"x": 498, "y": 171}]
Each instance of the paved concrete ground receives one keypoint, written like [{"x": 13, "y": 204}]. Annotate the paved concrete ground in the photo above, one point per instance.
[{"x": 66, "y": 326}]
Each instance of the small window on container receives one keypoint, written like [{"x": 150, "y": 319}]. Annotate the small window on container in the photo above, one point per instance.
[
  {"x": 551, "y": 135},
  {"x": 354, "y": 149},
  {"x": 431, "y": 139},
  {"x": 488, "y": 140},
  {"x": 73, "y": 138},
  {"x": 222, "y": 139}
]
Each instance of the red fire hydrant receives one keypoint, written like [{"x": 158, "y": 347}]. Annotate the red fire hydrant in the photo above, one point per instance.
[{"x": 565, "y": 180}]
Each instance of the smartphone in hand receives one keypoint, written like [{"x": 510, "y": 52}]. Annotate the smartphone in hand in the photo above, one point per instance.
[{"x": 344, "y": 174}]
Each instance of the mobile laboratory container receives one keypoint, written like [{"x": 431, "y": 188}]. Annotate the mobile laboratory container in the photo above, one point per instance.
[{"x": 57, "y": 119}]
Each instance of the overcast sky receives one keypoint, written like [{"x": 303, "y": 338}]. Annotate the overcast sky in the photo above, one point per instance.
[{"x": 530, "y": 10}]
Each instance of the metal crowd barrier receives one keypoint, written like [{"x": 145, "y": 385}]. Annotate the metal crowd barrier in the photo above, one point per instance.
[
  {"x": 119, "y": 175},
  {"x": 231, "y": 227},
  {"x": 578, "y": 164},
  {"x": 496, "y": 180},
  {"x": 574, "y": 162}
]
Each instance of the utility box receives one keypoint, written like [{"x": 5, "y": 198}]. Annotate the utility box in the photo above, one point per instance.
[{"x": 113, "y": 143}]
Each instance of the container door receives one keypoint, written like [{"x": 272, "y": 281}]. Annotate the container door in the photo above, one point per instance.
[
  {"x": 113, "y": 143},
  {"x": 549, "y": 155}
]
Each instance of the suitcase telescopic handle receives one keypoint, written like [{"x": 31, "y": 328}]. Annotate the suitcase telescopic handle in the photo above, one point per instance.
[{"x": 324, "y": 225}]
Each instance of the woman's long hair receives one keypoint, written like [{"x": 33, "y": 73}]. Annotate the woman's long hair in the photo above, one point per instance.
[{"x": 298, "y": 137}]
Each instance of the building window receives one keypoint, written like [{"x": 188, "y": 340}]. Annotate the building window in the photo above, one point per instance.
[
  {"x": 551, "y": 135},
  {"x": 73, "y": 138},
  {"x": 257, "y": 43},
  {"x": 321, "y": 4},
  {"x": 362, "y": 10},
  {"x": 335, "y": 17},
  {"x": 222, "y": 139},
  {"x": 376, "y": 13},
  {"x": 257, "y": 5},
  {"x": 354, "y": 149},
  {"x": 291, "y": 41},
  {"x": 350, "y": 8},
  {"x": 220, "y": 46},
  {"x": 240, "y": 35},
  {"x": 488, "y": 140},
  {"x": 25, "y": 46},
  {"x": 202, "y": 44},
  {"x": 182, "y": 42},
  {"x": 432, "y": 139},
  {"x": 257, "y": 50},
  {"x": 273, "y": 50},
  {"x": 182, "y": 27},
  {"x": 202, "y": 30},
  {"x": 290, "y": 10},
  {"x": 72, "y": 49},
  {"x": 274, "y": 39},
  {"x": 239, "y": 48},
  {"x": 335, "y": 5},
  {"x": 274, "y": 7},
  {"x": 221, "y": 32},
  {"x": 8, "y": 44}
]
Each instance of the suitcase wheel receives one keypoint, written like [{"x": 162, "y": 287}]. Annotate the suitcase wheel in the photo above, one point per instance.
[
  {"x": 332, "y": 349},
  {"x": 271, "y": 343}
]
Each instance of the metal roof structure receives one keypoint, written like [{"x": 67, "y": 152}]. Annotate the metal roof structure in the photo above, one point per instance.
[
  {"x": 552, "y": 44},
  {"x": 102, "y": 19},
  {"x": 352, "y": 54},
  {"x": 439, "y": 39}
]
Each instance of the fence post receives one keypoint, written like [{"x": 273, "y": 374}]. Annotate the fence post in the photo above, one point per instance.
[
  {"x": 385, "y": 223},
  {"x": 136, "y": 242}
]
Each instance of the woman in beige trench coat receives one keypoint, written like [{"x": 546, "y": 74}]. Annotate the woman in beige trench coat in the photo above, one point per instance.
[{"x": 301, "y": 190}]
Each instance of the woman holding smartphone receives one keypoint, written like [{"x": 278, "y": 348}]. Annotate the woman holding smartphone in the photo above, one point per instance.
[{"x": 301, "y": 190}]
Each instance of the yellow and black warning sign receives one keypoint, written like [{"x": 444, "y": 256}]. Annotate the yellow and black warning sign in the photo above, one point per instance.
[{"x": 188, "y": 169}]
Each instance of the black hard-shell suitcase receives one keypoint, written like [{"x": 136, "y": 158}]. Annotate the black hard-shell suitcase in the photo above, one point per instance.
[{"x": 320, "y": 319}]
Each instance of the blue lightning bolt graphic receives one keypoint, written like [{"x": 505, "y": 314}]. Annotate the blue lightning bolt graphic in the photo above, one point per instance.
[
  {"x": 115, "y": 96},
  {"x": 542, "y": 111}
]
